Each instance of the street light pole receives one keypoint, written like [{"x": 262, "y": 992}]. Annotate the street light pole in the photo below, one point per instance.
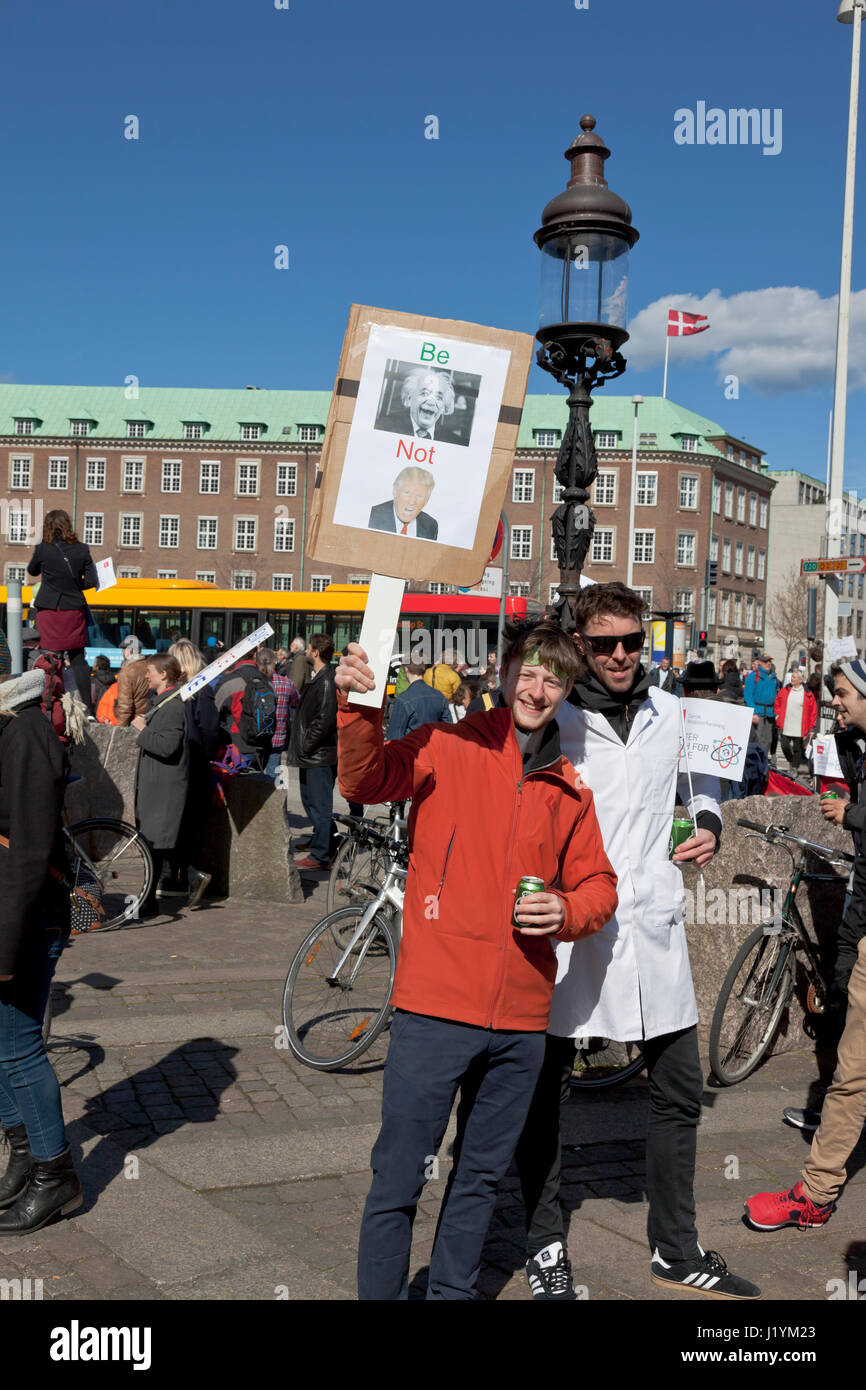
[
  {"x": 850, "y": 12},
  {"x": 637, "y": 402}
]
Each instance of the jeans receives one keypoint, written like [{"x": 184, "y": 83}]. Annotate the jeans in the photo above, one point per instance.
[
  {"x": 428, "y": 1059},
  {"x": 676, "y": 1087},
  {"x": 317, "y": 798},
  {"x": 793, "y": 750},
  {"x": 29, "y": 1090}
]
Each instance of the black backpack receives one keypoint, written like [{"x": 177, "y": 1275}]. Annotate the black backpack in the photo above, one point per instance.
[{"x": 258, "y": 717}]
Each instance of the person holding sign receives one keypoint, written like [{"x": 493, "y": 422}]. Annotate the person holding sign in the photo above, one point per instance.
[
  {"x": 631, "y": 981},
  {"x": 475, "y": 973}
]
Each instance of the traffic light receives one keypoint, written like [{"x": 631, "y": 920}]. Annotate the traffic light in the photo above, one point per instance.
[
  {"x": 702, "y": 639},
  {"x": 712, "y": 577}
]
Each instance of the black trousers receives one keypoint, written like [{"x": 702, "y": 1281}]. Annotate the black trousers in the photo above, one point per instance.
[
  {"x": 676, "y": 1087},
  {"x": 793, "y": 750}
]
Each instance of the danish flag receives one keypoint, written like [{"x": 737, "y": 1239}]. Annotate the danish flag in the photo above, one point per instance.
[{"x": 681, "y": 324}]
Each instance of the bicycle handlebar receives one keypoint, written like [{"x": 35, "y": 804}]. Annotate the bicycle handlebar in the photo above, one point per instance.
[{"x": 780, "y": 832}]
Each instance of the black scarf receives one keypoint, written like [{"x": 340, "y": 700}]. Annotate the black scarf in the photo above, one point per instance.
[{"x": 618, "y": 710}]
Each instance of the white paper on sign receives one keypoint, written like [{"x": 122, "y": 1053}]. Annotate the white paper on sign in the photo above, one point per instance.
[
  {"x": 225, "y": 660},
  {"x": 105, "y": 576},
  {"x": 843, "y": 648},
  {"x": 716, "y": 737},
  {"x": 378, "y": 630},
  {"x": 826, "y": 758}
]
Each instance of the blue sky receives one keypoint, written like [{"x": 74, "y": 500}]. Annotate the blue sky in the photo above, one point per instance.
[{"x": 304, "y": 126}]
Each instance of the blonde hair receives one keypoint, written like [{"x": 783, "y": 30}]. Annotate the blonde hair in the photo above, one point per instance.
[{"x": 188, "y": 658}]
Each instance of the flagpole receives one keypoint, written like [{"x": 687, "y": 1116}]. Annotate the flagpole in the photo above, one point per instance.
[{"x": 667, "y": 348}]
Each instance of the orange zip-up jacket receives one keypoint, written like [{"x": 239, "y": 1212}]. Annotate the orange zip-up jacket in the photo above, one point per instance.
[{"x": 479, "y": 822}]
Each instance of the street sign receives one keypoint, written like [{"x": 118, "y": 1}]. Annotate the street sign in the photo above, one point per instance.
[
  {"x": 844, "y": 608},
  {"x": 846, "y": 564}
]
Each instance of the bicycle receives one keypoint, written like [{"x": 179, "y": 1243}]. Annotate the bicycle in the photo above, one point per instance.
[
  {"x": 118, "y": 858},
  {"x": 361, "y": 863},
  {"x": 601, "y": 1063},
  {"x": 337, "y": 995},
  {"x": 762, "y": 975}
]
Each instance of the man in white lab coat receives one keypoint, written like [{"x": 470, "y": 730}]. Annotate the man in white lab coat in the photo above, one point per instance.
[{"x": 631, "y": 980}]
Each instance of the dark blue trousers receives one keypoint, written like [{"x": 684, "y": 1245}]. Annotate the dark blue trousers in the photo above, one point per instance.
[
  {"x": 428, "y": 1060},
  {"x": 317, "y": 798}
]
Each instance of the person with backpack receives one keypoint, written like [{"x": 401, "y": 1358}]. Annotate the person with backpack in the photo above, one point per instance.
[
  {"x": 67, "y": 569},
  {"x": 247, "y": 708},
  {"x": 313, "y": 750},
  {"x": 287, "y": 701},
  {"x": 417, "y": 704},
  {"x": 760, "y": 690},
  {"x": 162, "y": 773}
]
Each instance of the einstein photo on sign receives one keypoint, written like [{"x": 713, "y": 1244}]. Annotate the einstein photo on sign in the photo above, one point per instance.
[{"x": 427, "y": 403}]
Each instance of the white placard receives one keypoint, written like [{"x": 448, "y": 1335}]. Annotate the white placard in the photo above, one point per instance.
[
  {"x": 843, "y": 648},
  {"x": 490, "y": 586},
  {"x": 378, "y": 630},
  {"x": 825, "y": 758},
  {"x": 225, "y": 660},
  {"x": 716, "y": 736},
  {"x": 105, "y": 576}
]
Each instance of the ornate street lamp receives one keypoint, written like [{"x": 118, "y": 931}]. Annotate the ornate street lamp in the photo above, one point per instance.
[{"x": 585, "y": 237}]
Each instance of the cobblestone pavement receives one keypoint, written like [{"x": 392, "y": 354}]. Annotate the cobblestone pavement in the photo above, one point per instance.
[{"x": 215, "y": 1166}]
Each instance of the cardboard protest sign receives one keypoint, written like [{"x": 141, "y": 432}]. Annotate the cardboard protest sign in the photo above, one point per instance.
[
  {"x": 825, "y": 758},
  {"x": 715, "y": 737},
  {"x": 225, "y": 660},
  {"x": 419, "y": 445}
]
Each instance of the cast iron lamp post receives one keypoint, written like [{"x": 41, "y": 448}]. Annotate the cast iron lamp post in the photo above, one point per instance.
[{"x": 585, "y": 237}]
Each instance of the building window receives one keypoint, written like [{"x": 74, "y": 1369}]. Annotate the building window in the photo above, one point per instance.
[
  {"x": 169, "y": 532},
  {"x": 282, "y": 582},
  {"x": 686, "y": 548},
  {"x": 521, "y": 542},
  {"x": 166, "y": 574},
  {"x": 251, "y": 432},
  {"x": 647, "y": 441},
  {"x": 135, "y": 429},
  {"x": 20, "y": 471},
  {"x": 726, "y": 556},
  {"x": 753, "y": 509},
  {"x": 14, "y": 572},
  {"x": 738, "y": 610},
  {"x": 133, "y": 475},
  {"x": 717, "y": 496},
  {"x": 644, "y": 547},
  {"x": 523, "y": 485},
  {"x": 287, "y": 479},
  {"x": 684, "y": 603},
  {"x": 852, "y": 549},
  {"x": 729, "y": 500},
  {"x": 206, "y": 533},
  {"x": 750, "y": 611},
  {"x": 714, "y": 548},
  {"x": 307, "y": 434},
  {"x": 606, "y": 439},
  {"x": 248, "y": 480},
  {"x": 850, "y": 586},
  {"x": 604, "y": 492},
  {"x": 553, "y": 593},
  {"x": 128, "y": 572},
  {"x": 434, "y": 588},
  {"x": 78, "y": 427},
  {"x": 725, "y": 607},
  {"x": 646, "y": 493},
  {"x": 688, "y": 491},
  {"x": 553, "y": 555},
  {"x": 518, "y": 590},
  {"x": 738, "y": 558},
  {"x": 602, "y": 545},
  {"x": 547, "y": 439},
  {"x": 741, "y": 504},
  {"x": 859, "y": 586},
  {"x": 729, "y": 451},
  {"x": 245, "y": 532},
  {"x": 243, "y": 579},
  {"x": 23, "y": 426},
  {"x": 193, "y": 431},
  {"x": 689, "y": 443},
  {"x": 764, "y": 511},
  {"x": 94, "y": 526},
  {"x": 558, "y": 490},
  {"x": 319, "y": 582},
  {"x": 94, "y": 476},
  {"x": 58, "y": 473},
  {"x": 172, "y": 473},
  {"x": 206, "y": 576},
  {"x": 209, "y": 475},
  {"x": 359, "y": 579},
  {"x": 750, "y": 562},
  {"x": 711, "y": 608},
  {"x": 18, "y": 524},
  {"x": 647, "y": 595},
  {"x": 130, "y": 529},
  {"x": 284, "y": 533}
]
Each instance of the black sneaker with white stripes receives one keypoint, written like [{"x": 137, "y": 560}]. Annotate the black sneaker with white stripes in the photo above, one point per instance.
[
  {"x": 549, "y": 1274},
  {"x": 707, "y": 1274}
]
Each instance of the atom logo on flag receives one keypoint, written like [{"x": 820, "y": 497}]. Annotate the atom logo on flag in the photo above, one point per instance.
[{"x": 725, "y": 751}]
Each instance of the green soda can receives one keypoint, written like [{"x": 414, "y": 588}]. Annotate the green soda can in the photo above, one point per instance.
[
  {"x": 527, "y": 885},
  {"x": 829, "y": 796},
  {"x": 680, "y": 830}
]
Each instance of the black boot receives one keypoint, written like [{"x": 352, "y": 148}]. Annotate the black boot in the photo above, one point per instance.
[
  {"x": 53, "y": 1190},
  {"x": 14, "y": 1180}
]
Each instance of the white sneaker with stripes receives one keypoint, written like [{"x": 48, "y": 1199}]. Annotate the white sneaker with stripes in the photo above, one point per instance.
[{"x": 707, "y": 1274}]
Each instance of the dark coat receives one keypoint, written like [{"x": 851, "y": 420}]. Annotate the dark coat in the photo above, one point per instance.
[
  {"x": 382, "y": 519},
  {"x": 399, "y": 421},
  {"x": 417, "y": 705},
  {"x": 300, "y": 670},
  {"x": 62, "y": 583},
  {"x": 313, "y": 741},
  {"x": 32, "y": 783},
  {"x": 162, "y": 773}
]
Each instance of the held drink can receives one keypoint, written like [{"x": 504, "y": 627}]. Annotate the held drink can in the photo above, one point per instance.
[
  {"x": 527, "y": 885},
  {"x": 681, "y": 830},
  {"x": 829, "y": 796}
]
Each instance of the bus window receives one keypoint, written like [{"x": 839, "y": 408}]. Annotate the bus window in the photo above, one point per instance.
[
  {"x": 212, "y": 624},
  {"x": 282, "y": 623},
  {"x": 157, "y": 628},
  {"x": 345, "y": 628},
  {"x": 108, "y": 626},
  {"x": 242, "y": 625}
]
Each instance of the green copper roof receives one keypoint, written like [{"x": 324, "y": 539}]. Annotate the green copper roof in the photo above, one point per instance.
[{"x": 663, "y": 418}]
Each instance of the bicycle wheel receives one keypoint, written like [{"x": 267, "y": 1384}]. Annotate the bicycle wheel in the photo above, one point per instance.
[
  {"x": 750, "y": 1005},
  {"x": 601, "y": 1063},
  {"x": 121, "y": 861},
  {"x": 357, "y": 873},
  {"x": 331, "y": 1023}
]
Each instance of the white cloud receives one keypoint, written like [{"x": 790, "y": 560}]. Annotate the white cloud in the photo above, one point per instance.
[{"x": 775, "y": 340}]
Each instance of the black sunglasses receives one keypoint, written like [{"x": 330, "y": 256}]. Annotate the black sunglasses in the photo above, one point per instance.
[{"x": 606, "y": 646}]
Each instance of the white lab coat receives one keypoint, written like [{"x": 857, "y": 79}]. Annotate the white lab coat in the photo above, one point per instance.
[{"x": 632, "y": 979}]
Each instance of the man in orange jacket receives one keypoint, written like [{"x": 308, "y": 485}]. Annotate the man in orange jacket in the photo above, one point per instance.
[{"x": 475, "y": 975}]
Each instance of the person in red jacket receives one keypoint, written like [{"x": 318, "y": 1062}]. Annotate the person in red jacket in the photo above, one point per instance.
[
  {"x": 476, "y": 972},
  {"x": 796, "y": 711}
]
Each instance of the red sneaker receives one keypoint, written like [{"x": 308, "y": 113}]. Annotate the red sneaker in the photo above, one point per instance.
[{"x": 770, "y": 1211}]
